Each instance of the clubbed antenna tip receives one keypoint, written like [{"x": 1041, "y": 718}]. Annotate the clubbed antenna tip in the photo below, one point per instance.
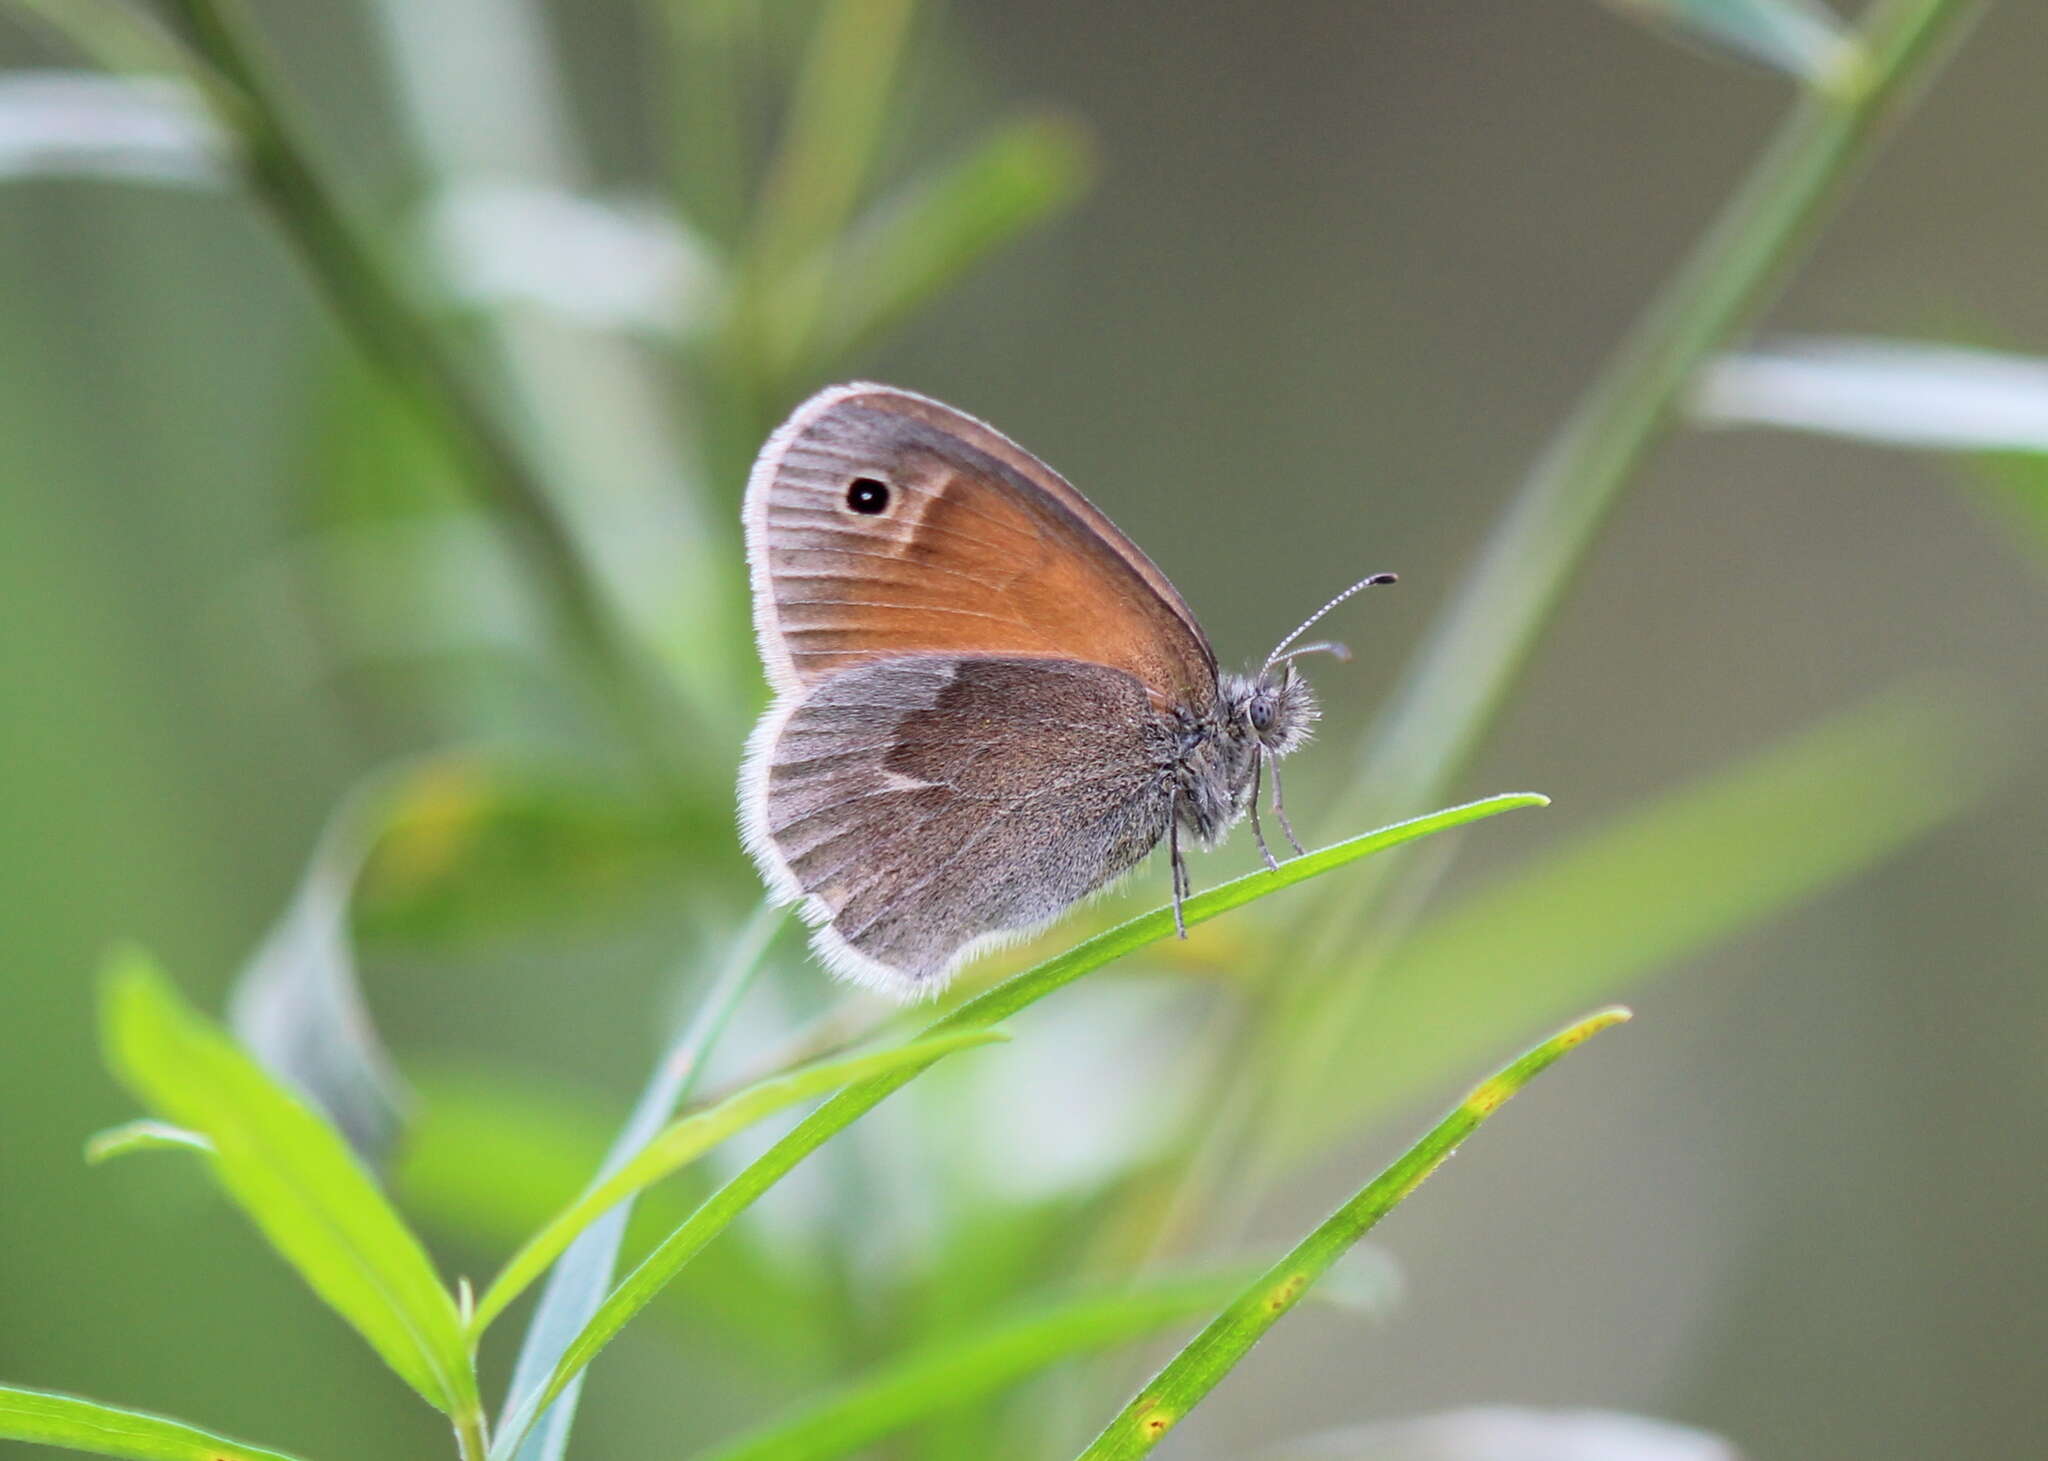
[{"x": 1279, "y": 650}]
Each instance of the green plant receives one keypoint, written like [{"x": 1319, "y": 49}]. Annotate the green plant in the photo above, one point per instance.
[{"x": 1358, "y": 997}]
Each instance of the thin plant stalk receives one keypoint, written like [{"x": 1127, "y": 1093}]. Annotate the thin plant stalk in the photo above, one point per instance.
[
  {"x": 1467, "y": 664},
  {"x": 472, "y": 1443},
  {"x": 1458, "y": 679},
  {"x": 116, "y": 36},
  {"x": 835, "y": 123},
  {"x": 582, "y": 1276},
  {"x": 363, "y": 289},
  {"x": 482, "y": 92},
  {"x": 719, "y": 1210}
]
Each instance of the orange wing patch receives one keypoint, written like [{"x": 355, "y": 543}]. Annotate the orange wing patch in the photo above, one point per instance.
[{"x": 881, "y": 524}]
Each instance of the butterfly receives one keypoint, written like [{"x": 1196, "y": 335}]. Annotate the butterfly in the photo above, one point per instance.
[{"x": 988, "y": 703}]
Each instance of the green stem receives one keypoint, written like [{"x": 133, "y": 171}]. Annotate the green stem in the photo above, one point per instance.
[
  {"x": 471, "y": 1442},
  {"x": 1456, "y": 682},
  {"x": 1458, "y": 678},
  {"x": 710, "y": 66},
  {"x": 108, "y": 32},
  {"x": 718, "y": 1211},
  {"x": 830, "y": 139},
  {"x": 580, "y": 1278},
  {"x": 363, "y": 289}
]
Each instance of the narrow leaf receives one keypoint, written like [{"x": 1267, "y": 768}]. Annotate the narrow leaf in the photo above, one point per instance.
[
  {"x": 537, "y": 1430},
  {"x": 295, "y": 1178},
  {"x": 1922, "y": 395},
  {"x": 1212, "y": 1354},
  {"x": 142, "y": 1136},
  {"x": 112, "y": 128},
  {"x": 1690, "y": 869},
  {"x": 104, "y": 1430},
  {"x": 1910, "y": 393},
  {"x": 1799, "y": 37},
  {"x": 971, "y": 1368},
  {"x": 917, "y": 243},
  {"x": 830, "y": 140},
  {"x": 297, "y": 1005},
  {"x": 683, "y": 1141},
  {"x": 490, "y": 1156},
  {"x": 719, "y": 1210},
  {"x": 113, "y": 34}
]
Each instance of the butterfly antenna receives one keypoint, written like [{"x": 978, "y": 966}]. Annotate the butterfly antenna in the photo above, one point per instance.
[
  {"x": 1341, "y": 652},
  {"x": 1310, "y": 622}
]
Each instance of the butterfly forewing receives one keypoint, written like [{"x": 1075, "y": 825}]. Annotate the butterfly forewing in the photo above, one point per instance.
[{"x": 881, "y": 523}]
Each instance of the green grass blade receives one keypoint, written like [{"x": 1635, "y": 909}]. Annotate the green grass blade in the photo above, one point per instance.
[
  {"x": 830, "y": 140},
  {"x": 917, "y": 243},
  {"x": 491, "y": 1155},
  {"x": 72, "y": 1424},
  {"x": 971, "y": 1368},
  {"x": 119, "y": 37},
  {"x": 1459, "y": 677},
  {"x": 294, "y": 1177},
  {"x": 683, "y": 1141},
  {"x": 1212, "y": 1354},
  {"x": 639, "y": 1287},
  {"x": 536, "y": 1429},
  {"x": 1679, "y": 875},
  {"x": 142, "y": 1136}
]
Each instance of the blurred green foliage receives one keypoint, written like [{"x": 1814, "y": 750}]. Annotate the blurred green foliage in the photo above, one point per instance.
[{"x": 374, "y": 580}]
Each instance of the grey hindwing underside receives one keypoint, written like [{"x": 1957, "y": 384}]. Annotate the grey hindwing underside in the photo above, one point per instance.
[{"x": 925, "y": 802}]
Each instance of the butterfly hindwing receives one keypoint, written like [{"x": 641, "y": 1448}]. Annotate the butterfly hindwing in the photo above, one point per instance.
[{"x": 923, "y": 805}]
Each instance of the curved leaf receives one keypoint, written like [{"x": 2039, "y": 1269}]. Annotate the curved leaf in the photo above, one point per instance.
[
  {"x": 142, "y": 1136},
  {"x": 294, "y": 1176},
  {"x": 576, "y": 1288},
  {"x": 1211, "y": 1355},
  {"x": 49, "y": 1419},
  {"x": 719, "y": 1210},
  {"x": 683, "y": 1141}
]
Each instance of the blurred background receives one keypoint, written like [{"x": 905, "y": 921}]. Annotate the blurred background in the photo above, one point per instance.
[{"x": 1295, "y": 294}]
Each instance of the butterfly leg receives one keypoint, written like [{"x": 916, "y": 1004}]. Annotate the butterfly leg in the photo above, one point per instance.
[
  {"x": 1280, "y": 811},
  {"x": 1259, "y": 765},
  {"x": 1180, "y": 867}
]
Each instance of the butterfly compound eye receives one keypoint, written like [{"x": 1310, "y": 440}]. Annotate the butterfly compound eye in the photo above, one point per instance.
[{"x": 868, "y": 496}]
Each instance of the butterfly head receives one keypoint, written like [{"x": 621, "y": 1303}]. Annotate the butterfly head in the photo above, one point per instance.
[
  {"x": 1277, "y": 703},
  {"x": 1276, "y": 706}
]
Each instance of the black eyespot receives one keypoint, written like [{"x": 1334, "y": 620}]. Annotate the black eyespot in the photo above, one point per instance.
[{"x": 866, "y": 495}]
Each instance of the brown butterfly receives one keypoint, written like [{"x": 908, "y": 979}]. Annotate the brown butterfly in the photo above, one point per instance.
[{"x": 988, "y": 702}]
